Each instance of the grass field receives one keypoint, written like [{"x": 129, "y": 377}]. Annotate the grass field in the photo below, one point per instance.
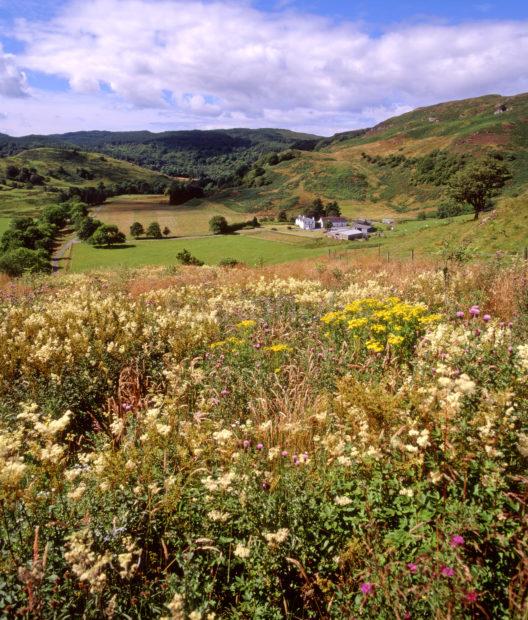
[
  {"x": 183, "y": 221},
  {"x": 4, "y": 224},
  {"x": 248, "y": 249}
]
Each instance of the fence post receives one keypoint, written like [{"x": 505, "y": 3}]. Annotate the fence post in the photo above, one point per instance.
[
  {"x": 526, "y": 253},
  {"x": 412, "y": 254},
  {"x": 388, "y": 258}
]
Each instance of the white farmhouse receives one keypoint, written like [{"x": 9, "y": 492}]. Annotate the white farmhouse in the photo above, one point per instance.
[{"x": 306, "y": 223}]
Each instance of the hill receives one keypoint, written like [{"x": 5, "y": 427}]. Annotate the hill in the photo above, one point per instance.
[
  {"x": 213, "y": 154},
  {"x": 401, "y": 167},
  {"x": 39, "y": 176}
]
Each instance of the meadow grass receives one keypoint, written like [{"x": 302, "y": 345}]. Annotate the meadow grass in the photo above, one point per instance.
[
  {"x": 250, "y": 250},
  {"x": 206, "y": 442}
]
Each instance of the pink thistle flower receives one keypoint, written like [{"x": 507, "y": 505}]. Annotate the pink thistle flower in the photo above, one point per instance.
[
  {"x": 447, "y": 571},
  {"x": 246, "y": 443},
  {"x": 486, "y": 318},
  {"x": 295, "y": 459},
  {"x": 367, "y": 588},
  {"x": 407, "y": 615},
  {"x": 412, "y": 567},
  {"x": 224, "y": 392},
  {"x": 260, "y": 446},
  {"x": 305, "y": 456},
  {"x": 474, "y": 311},
  {"x": 471, "y": 596},
  {"x": 284, "y": 453},
  {"x": 460, "y": 314},
  {"x": 456, "y": 540}
]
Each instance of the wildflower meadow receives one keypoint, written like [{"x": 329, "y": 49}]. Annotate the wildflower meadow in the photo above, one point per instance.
[{"x": 344, "y": 442}]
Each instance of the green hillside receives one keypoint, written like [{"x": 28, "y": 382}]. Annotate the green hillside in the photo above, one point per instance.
[
  {"x": 37, "y": 177},
  {"x": 401, "y": 167},
  {"x": 213, "y": 154}
]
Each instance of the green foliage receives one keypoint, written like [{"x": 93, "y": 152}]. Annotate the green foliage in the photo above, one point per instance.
[
  {"x": 154, "y": 231},
  {"x": 263, "y": 449},
  {"x": 218, "y": 225},
  {"x": 338, "y": 182},
  {"x": 107, "y": 235},
  {"x": 22, "y": 260},
  {"x": 137, "y": 230},
  {"x": 186, "y": 258},
  {"x": 478, "y": 183}
]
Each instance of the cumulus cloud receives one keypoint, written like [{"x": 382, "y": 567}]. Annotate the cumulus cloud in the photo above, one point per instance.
[
  {"x": 12, "y": 80},
  {"x": 225, "y": 63}
]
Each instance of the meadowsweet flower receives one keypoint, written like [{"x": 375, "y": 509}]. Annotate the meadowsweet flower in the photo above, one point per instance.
[
  {"x": 218, "y": 516},
  {"x": 278, "y": 537},
  {"x": 342, "y": 500},
  {"x": 241, "y": 551}
]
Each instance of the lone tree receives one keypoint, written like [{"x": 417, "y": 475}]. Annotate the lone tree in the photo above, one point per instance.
[
  {"x": 218, "y": 225},
  {"x": 137, "y": 230},
  {"x": 154, "y": 231},
  {"x": 166, "y": 231},
  {"x": 107, "y": 235},
  {"x": 478, "y": 183}
]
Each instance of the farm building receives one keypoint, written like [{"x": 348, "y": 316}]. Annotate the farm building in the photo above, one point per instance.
[
  {"x": 364, "y": 225},
  {"x": 310, "y": 223},
  {"x": 347, "y": 234}
]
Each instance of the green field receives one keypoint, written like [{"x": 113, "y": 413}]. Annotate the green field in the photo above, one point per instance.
[
  {"x": 4, "y": 224},
  {"x": 247, "y": 249}
]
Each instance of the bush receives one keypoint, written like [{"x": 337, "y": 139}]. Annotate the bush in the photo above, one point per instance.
[
  {"x": 137, "y": 230},
  {"x": 107, "y": 235},
  {"x": 17, "y": 262},
  {"x": 218, "y": 225},
  {"x": 154, "y": 231},
  {"x": 186, "y": 258},
  {"x": 229, "y": 262}
]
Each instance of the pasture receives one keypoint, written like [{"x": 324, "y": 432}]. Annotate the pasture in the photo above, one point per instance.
[
  {"x": 249, "y": 249},
  {"x": 186, "y": 220}
]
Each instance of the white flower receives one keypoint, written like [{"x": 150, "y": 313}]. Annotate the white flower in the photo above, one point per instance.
[
  {"x": 407, "y": 492},
  {"x": 278, "y": 537},
  {"x": 342, "y": 500},
  {"x": 241, "y": 551},
  {"x": 217, "y": 515}
]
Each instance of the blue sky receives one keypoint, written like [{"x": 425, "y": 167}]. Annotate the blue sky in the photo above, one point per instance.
[{"x": 313, "y": 65}]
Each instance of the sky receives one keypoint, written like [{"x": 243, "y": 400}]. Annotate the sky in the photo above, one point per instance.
[{"x": 318, "y": 66}]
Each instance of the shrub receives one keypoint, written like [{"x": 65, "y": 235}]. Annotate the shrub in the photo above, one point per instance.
[
  {"x": 107, "y": 235},
  {"x": 16, "y": 262},
  {"x": 154, "y": 231},
  {"x": 186, "y": 258}
]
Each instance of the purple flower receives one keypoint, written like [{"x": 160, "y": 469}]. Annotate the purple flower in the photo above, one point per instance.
[
  {"x": 305, "y": 456},
  {"x": 474, "y": 311},
  {"x": 260, "y": 446},
  {"x": 412, "y": 567},
  {"x": 460, "y": 314},
  {"x": 447, "y": 571},
  {"x": 246, "y": 443},
  {"x": 266, "y": 485},
  {"x": 284, "y": 453},
  {"x": 127, "y": 406},
  {"x": 295, "y": 459},
  {"x": 486, "y": 318},
  {"x": 456, "y": 540},
  {"x": 477, "y": 332},
  {"x": 471, "y": 596},
  {"x": 224, "y": 392},
  {"x": 367, "y": 588}
]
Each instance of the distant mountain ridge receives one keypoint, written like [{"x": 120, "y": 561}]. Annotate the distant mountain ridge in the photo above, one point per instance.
[{"x": 207, "y": 153}]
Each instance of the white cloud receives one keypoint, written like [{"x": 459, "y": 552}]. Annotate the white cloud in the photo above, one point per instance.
[
  {"x": 12, "y": 80},
  {"x": 226, "y": 64}
]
